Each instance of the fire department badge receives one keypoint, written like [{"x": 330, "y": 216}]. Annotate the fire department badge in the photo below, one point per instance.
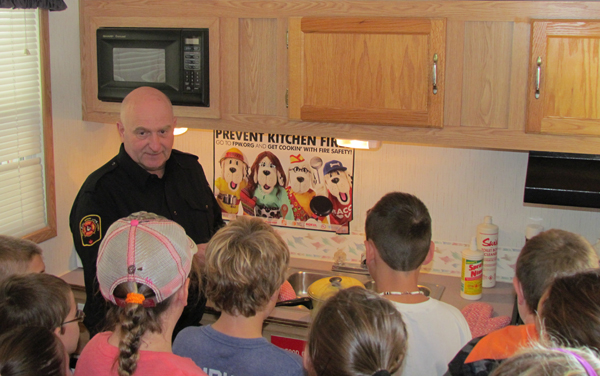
[{"x": 90, "y": 230}]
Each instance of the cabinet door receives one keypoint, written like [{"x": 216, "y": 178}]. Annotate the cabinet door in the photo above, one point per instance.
[
  {"x": 386, "y": 71},
  {"x": 564, "y": 78}
]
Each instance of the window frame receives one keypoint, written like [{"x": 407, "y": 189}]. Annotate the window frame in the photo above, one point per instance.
[{"x": 50, "y": 230}]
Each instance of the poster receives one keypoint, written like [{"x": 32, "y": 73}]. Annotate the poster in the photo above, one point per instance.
[{"x": 291, "y": 181}]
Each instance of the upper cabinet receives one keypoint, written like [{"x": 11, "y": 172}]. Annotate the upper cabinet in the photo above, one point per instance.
[
  {"x": 97, "y": 110},
  {"x": 564, "y": 83},
  {"x": 450, "y": 73},
  {"x": 387, "y": 71}
]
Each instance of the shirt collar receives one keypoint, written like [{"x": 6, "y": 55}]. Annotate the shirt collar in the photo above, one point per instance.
[{"x": 137, "y": 173}]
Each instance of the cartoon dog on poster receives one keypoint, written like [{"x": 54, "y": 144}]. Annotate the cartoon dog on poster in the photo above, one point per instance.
[
  {"x": 234, "y": 178},
  {"x": 300, "y": 193},
  {"x": 267, "y": 188},
  {"x": 339, "y": 187}
]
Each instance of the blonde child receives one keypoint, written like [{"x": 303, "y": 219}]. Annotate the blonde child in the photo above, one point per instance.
[
  {"x": 543, "y": 361},
  {"x": 245, "y": 266}
]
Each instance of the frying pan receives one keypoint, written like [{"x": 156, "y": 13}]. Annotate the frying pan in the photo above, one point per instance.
[
  {"x": 307, "y": 302},
  {"x": 321, "y": 206}
]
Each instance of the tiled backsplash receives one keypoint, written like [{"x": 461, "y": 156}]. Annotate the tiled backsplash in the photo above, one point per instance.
[
  {"x": 323, "y": 245},
  {"x": 446, "y": 261}
]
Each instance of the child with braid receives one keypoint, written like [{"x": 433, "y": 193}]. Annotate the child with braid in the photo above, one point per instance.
[{"x": 143, "y": 267}]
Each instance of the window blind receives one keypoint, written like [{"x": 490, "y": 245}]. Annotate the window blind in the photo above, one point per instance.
[{"x": 22, "y": 191}]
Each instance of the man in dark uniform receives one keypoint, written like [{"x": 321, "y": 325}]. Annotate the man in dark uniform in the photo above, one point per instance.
[{"x": 146, "y": 175}]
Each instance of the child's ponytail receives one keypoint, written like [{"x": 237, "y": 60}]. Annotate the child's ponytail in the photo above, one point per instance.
[{"x": 133, "y": 320}]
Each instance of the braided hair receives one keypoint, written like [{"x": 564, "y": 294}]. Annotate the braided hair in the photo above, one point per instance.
[{"x": 133, "y": 321}]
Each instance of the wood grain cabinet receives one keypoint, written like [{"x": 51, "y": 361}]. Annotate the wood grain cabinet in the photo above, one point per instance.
[
  {"x": 378, "y": 70},
  {"x": 96, "y": 110},
  {"x": 364, "y": 69},
  {"x": 564, "y": 78}
]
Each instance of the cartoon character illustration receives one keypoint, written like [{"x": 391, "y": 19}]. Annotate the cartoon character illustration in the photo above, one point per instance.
[
  {"x": 234, "y": 178},
  {"x": 266, "y": 189},
  {"x": 300, "y": 193},
  {"x": 339, "y": 188}
]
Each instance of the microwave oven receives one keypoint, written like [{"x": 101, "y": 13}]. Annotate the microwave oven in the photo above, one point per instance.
[{"x": 175, "y": 61}]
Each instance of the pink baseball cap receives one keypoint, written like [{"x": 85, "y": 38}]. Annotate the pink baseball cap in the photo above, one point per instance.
[{"x": 147, "y": 249}]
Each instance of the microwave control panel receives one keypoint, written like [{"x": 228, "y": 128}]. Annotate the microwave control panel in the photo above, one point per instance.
[{"x": 192, "y": 69}]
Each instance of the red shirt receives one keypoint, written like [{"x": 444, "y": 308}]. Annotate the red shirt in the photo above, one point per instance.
[{"x": 341, "y": 213}]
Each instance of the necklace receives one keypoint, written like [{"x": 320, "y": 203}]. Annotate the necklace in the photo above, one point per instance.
[{"x": 418, "y": 292}]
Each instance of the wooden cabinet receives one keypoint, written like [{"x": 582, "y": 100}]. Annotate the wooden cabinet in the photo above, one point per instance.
[
  {"x": 364, "y": 69},
  {"x": 564, "y": 78},
  {"x": 387, "y": 71},
  {"x": 108, "y": 112}
]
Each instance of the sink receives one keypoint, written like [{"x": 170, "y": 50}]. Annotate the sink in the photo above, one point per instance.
[
  {"x": 429, "y": 289},
  {"x": 426, "y": 290},
  {"x": 301, "y": 279}
]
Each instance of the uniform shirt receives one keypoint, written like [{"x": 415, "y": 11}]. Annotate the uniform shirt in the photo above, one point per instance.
[{"x": 122, "y": 187}]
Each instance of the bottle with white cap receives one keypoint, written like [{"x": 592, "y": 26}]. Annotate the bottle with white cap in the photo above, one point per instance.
[
  {"x": 487, "y": 242},
  {"x": 471, "y": 272},
  {"x": 532, "y": 230}
]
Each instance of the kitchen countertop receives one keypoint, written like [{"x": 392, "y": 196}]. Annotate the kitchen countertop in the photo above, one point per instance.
[
  {"x": 501, "y": 297},
  {"x": 75, "y": 279}
]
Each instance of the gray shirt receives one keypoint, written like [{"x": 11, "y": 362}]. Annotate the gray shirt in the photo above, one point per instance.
[{"x": 222, "y": 355}]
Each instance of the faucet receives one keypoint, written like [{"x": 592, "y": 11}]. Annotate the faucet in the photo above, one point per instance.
[{"x": 340, "y": 264}]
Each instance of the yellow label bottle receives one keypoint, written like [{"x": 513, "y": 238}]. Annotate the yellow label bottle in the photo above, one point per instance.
[{"x": 471, "y": 272}]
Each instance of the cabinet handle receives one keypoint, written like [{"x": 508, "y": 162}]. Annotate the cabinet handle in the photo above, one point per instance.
[
  {"x": 537, "y": 77},
  {"x": 435, "y": 60}
]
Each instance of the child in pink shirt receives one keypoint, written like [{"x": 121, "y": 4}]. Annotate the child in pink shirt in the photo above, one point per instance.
[{"x": 143, "y": 267}]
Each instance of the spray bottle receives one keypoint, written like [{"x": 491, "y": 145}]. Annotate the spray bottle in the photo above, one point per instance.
[
  {"x": 487, "y": 242},
  {"x": 471, "y": 272}
]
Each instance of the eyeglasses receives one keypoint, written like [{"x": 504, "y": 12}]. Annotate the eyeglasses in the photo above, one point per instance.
[{"x": 79, "y": 316}]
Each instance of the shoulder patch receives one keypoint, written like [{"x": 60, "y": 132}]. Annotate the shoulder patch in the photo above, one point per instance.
[{"x": 90, "y": 230}]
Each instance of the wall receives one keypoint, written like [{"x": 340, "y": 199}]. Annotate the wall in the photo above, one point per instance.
[{"x": 459, "y": 186}]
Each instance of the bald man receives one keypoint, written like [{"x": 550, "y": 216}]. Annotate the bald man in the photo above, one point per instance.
[{"x": 146, "y": 175}]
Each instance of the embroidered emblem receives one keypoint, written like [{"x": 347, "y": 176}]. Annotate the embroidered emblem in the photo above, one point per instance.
[{"x": 90, "y": 230}]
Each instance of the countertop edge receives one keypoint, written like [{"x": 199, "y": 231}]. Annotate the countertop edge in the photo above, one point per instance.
[{"x": 501, "y": 297}]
